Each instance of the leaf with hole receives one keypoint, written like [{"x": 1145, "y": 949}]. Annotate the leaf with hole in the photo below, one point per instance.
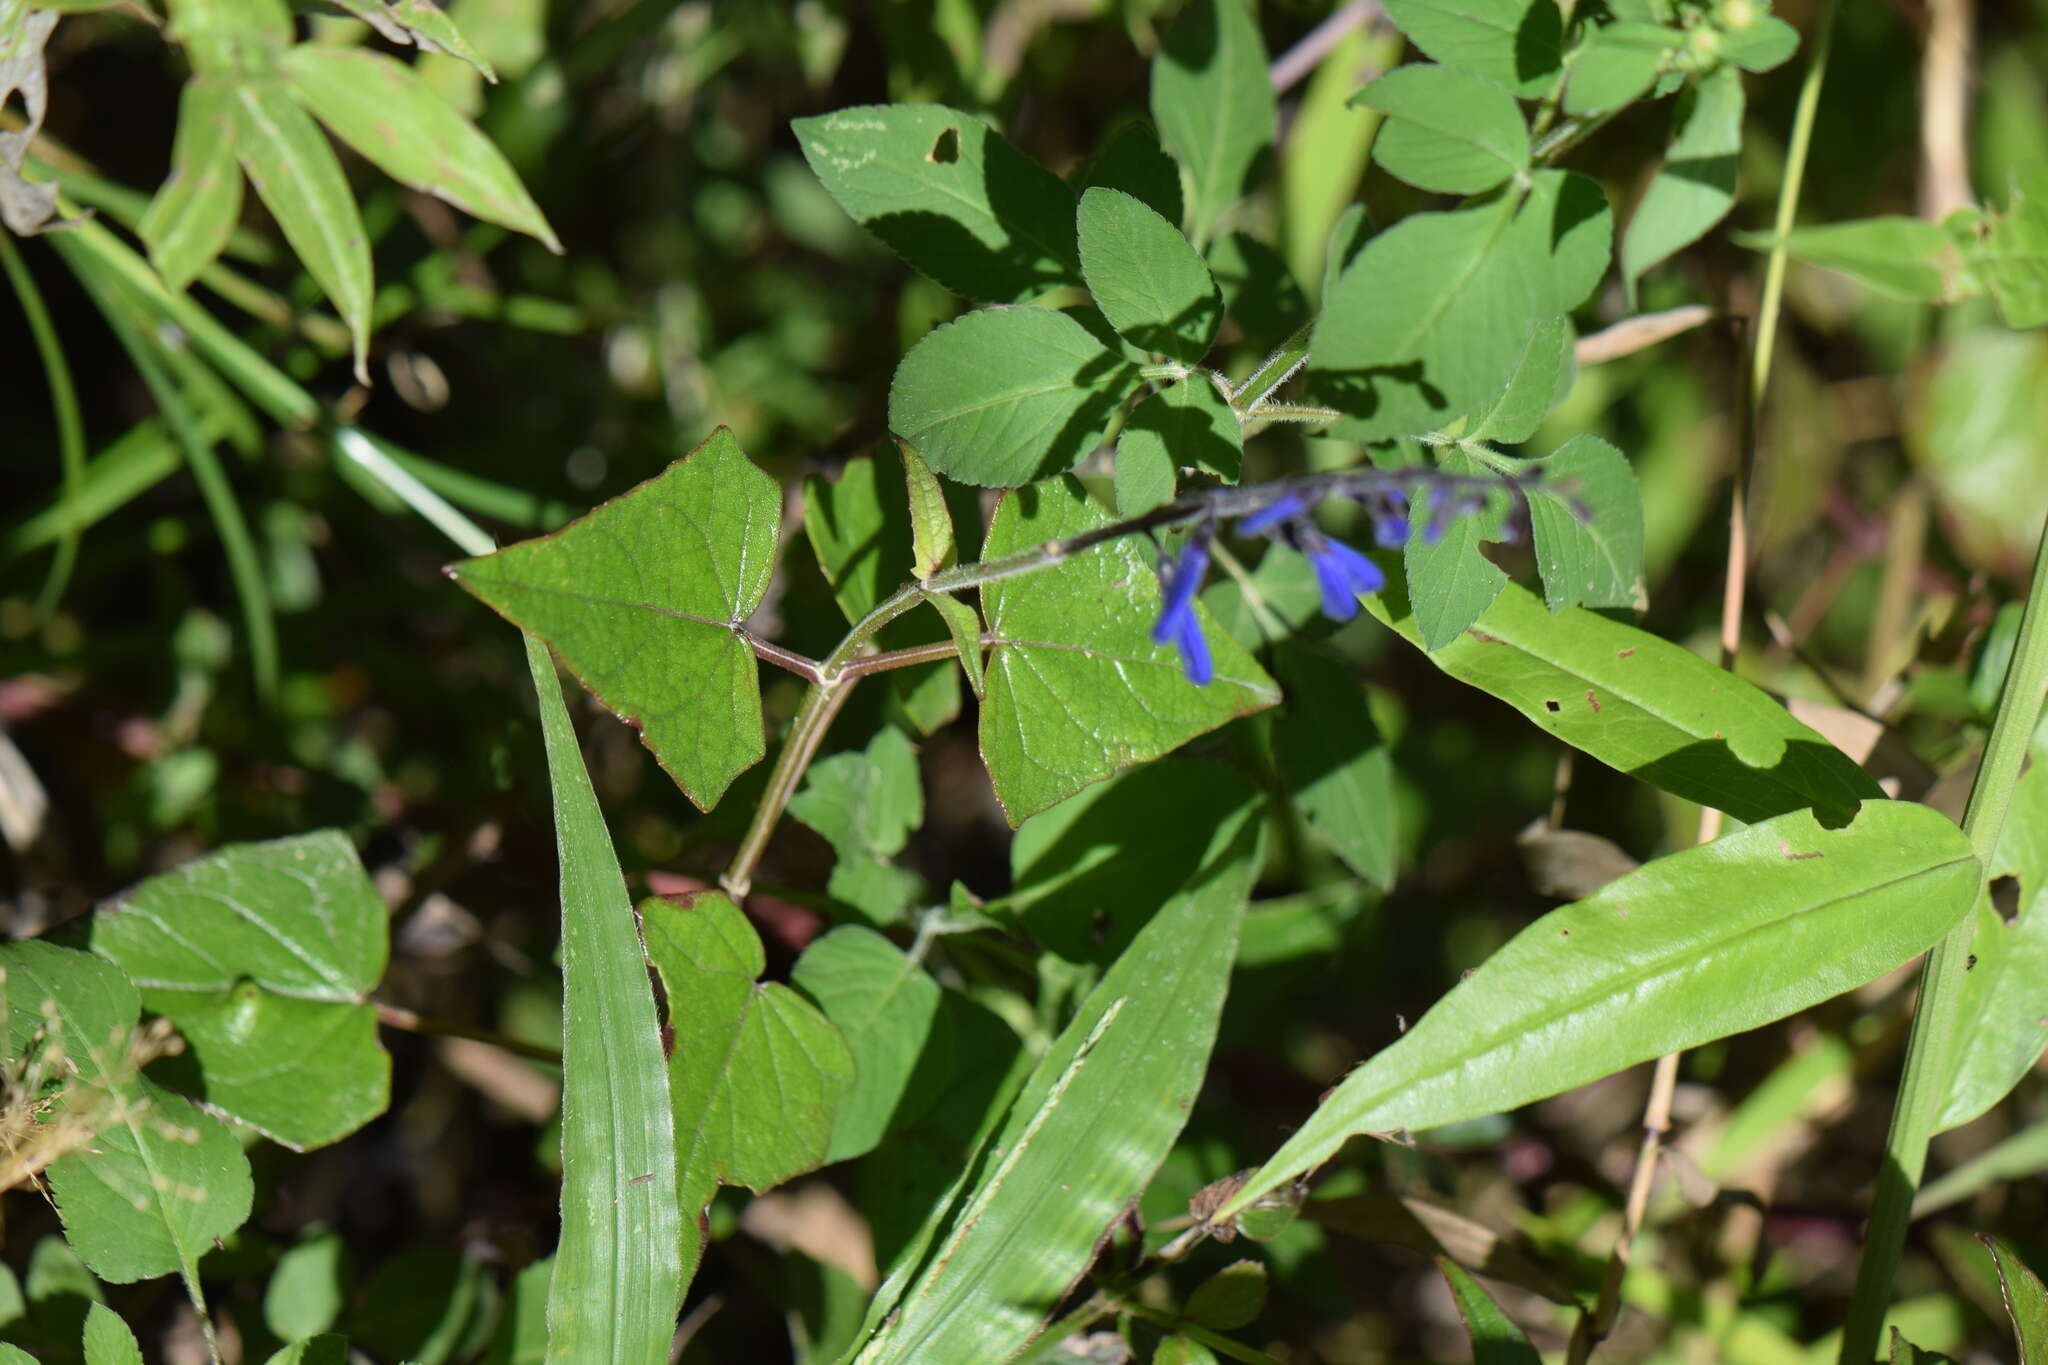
[
  {"x": 1076, "y": 687},
  {"x": 643, "y": 599},
  {"x": 1698, "y": 945}
]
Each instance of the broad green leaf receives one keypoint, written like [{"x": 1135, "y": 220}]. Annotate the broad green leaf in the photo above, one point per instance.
[
  {"x": 2026, "y": 1300},
  {"x": 1005, "y": 396},
  {"x": 194, "y": 213},
  {"x": 945, "y": 192},
  {"x": 757, "y": 1074},
  {"x": 328, "y": 1349},
  {"x": 884, "y": 1004},
  {"x": 1426, "y": 322},
  {"x": 1647, "y": 707},
  {"x": 1906, "y": 258},
  {"x": 1095, "y": 1120},
  {"x": 1446, "y": 129},
  {"x": 108, "y": 1340},
  {"x": 1089, "y": 870},
  {"x": 2012, "y": 258},
  {"x": 307, "y": 1290},
  {"x": 1076, "y": 687},
  {"x": 619, "y": 1276},
  {"x": 10, "y": 1354},
  {"x": 642, "y": 598},
  {"x": 1231, "y": 1298},
  {"x": 264, "y": 956},
  {"x": 1586, "y": 517},
  {"x": 1616, "y": 65},
  {"x": 1260, "y": 294},
  {"x": 859, "y": 526},
  {"x": 299, "y": 180},
  {"x": 1335, "y": 762},
  {"x": 1149, "y": 283},
  {"x": 1515, "y": 43},
  {"x": 1451, "y": 582},
  {"x": 161, "y": 1179},
  {"x": 867, "y": 805},
  {"x": 1188, "y": 425},
  {"x": 1214, "y": 105},
  {"x": 420, "y": 22},
  {"x": 1696, "y": 186},
  {"x": 384, "y": 110},
  {"x": 1973, "y": 425},
  {"x": 1180, "y": 1349},
  {"x": 1495, "y": 1338},
  {"x": 1764, "y": 45},
  {"x": 1701, "y": 944},
  {"x": 2001, "y": 1028},
  {"x": 1133, "y": 161},
  {"x": 1568, "y": 221},
  {"x": 1540, "y": 381}
]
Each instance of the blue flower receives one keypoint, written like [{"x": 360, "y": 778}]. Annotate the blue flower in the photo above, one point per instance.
[
  {"x": 1389, "y": 520},
  {"x": 1343, "y": 574},
  {"x": 1266, "y": 518},
  {"x": 1177, "y": 625}
]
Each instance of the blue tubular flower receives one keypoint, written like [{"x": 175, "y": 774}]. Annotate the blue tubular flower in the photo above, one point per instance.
[
  {"x": 1390, "y": 520},
  {"x": 1177, "y": 625},
  {"x": 1343, "y": 574},
  {"x": 1266, "y": 518}
]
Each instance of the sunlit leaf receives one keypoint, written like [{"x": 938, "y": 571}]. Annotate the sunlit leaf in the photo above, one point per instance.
[
  {"x": 1446, "y": 129},
  {"x": 884, "y": 1005},
  {"x": 1495, "y": 1338},
  {"x": 1515, "y": 43},
  {"x": 1149, "y": 283},
  {"x": 1696, "y": 186},
  {"x": 1214, "y": 105},
  {"x": 1587, "y": 520}
]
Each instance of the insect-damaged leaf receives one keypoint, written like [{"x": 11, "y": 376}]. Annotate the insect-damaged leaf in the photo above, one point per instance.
[{"x": 642, "y": 597}]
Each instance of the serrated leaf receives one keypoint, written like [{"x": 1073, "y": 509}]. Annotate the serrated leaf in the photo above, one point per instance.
[
  {"x": 1005, "y": 396},
  {"x": 1133, "y": 161},
  {"x": 1450, "y": 580},
  {"x": 1647, "y": 707},
  {"x": 1446, "y": 129},
  {"x": 264, "y": 956},
  {"x": 1586, "y": 517},
  {"x": 1076, "y": 687},
  {"x": 757, "y": 1074},
  {"x": 641, "y": 598},
  {"x": 1187, "y": 425},
  {"x": 885, "y": 1005},
  {"x": 108, "y": 1340},
  {"x": 1095, "y": 1120},
  {"x": 945, "y": 192},
  {"x": 384, "y": 110},
  {"x": 1698, "y": 945},
  {"x": 1496, "y": 1340},
  {"x": 1541, "y": 379},
  {"x": 1231, "y": 1298},
  {"x": 420, "y": 22},
  {"x": 1515, "y": 43},
  {"x": 194, "y": 213},
  {"x": 2026, "y": 1300},
  {"x": 2000, "y": 1028},
  {"x": 867, "y": 805},
  {"x": 161, "y": 1180},
  {"x": 1616, "y": 64},
  {"x": 1214, "y": 105},
  {"x": 1335, "y": 762},
  {"x": 1149, "y": 283},
  {"x": 1696, "y": 186},
  {"x": 295, "y": 173},
  {"x": 1427, "y": 321},
  {"x": 619, "y": 1270}
]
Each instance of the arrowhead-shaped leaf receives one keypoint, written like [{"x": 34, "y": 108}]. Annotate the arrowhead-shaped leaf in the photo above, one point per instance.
[{"x": 641, "y": 599}]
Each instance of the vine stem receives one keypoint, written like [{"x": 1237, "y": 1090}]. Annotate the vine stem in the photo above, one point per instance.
[{"x": 1923, "y": 1088}]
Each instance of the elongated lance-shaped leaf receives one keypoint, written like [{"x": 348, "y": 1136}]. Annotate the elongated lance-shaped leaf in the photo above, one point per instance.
[
  {"x": 1495, "y": 1338},
  {"x": 265, "y": 955},
  {"x": 2026, "y": 1301},
  {"x": 948, "y": 194},
  {"x": 643, "y": 599},
  {"x": 1645, "y": 706},
  {"x": 298, "y": 179},
  {"x": 420, "y": 22},
  {"x": 194, "y": 214},
  {"x": 1076, "y": 687},
  {"x": 157, "y": 1179},
  {"x": 757, "y": 1073},
  {"x": 618, "y": 1276},
  {"x": 1698, "y": 945},
  {"x": 1097, "y": 1117},
  {"x": 382, "y": 109},
  {"x": 1214, "y": 105}
]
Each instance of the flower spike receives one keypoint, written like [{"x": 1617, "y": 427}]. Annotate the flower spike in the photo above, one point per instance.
[
  {"x": 1343, "y": 573},
  {"x": 1179, "y": 581}
]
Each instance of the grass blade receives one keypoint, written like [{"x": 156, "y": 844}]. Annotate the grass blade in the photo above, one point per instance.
[{"x": 70, "y": 429}]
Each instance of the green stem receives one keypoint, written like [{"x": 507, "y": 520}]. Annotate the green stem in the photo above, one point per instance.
[
  {"x": 1923, "y": 1089},
  {"x": 1788, "y": 198},
  {"x": 70, "y": 428},
  {"x": 1273, "y": 371}
]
